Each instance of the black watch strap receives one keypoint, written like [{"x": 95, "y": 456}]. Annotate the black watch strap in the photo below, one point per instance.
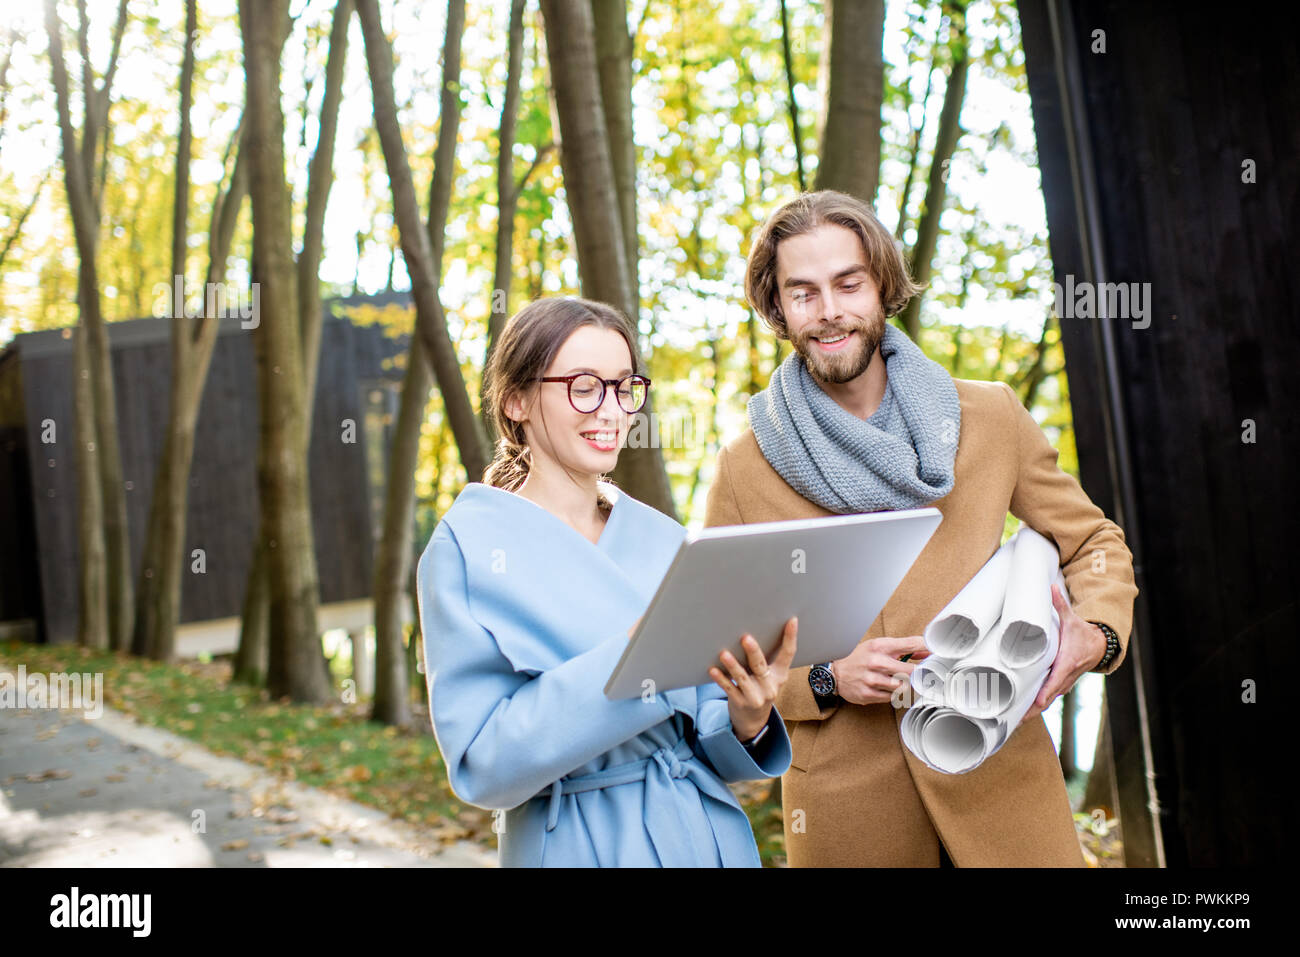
[{"x": 823, "y": 672}]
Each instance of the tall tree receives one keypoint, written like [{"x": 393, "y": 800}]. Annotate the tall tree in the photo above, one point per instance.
[
  {"x": 792, "y": 104},
  {"x": 393, "y": 557},
  {"x": 106, "y": 620},
  {"x": 508, "y": 187},
  {"x": 253, "y": 654},
  {"x": 850, "y": 148},
  {"x": 320, "y": 179},
  {"x": 927, "y": 230},
  {"x": 159, "y": 586},
  {"x": 1100, "y": 789},
  {"x": 593, "y": 200},
  {"x": 430, "y": 322},
  {"x": 507, "y": 194},
  {"x": 915, "y": 154},
  {"x": 614, "y": 66},
  {"x": 296, "y": 664}
]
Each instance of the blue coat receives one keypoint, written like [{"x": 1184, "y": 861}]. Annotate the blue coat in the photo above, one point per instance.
[{"x": 524, "y": 620}]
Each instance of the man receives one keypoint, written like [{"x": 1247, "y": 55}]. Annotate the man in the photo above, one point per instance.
[{"x": 857, "y": 419}]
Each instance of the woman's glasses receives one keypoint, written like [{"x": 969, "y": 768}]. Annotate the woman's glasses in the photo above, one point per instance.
[{"x": 587, "y": 391}]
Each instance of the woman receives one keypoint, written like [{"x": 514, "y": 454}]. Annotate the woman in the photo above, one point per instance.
[{"x": 529, "y": 590}]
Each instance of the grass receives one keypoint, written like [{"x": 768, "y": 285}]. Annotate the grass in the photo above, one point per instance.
[
  {"x": 335, "y": 748},
  {"x": 339, "y": 750}
]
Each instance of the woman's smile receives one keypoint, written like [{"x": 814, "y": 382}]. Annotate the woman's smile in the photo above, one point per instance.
[{"x": 603, "y": 440}]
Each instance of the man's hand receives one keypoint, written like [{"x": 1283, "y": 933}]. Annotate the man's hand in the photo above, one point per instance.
[
  {"x": 1081, "y": 648},
  {"x": 873, "y": 671}
]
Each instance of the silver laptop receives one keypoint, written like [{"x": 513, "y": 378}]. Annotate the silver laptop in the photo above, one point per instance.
[{"x": 833, "y": 573}]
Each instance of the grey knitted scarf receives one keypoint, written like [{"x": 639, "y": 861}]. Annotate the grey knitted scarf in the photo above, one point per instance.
[{"x": 901, "y": 457}]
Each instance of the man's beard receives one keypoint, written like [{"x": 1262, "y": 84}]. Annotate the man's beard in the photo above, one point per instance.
[{"x": 848, "y": 363}]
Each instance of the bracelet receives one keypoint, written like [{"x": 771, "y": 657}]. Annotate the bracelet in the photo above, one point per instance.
[
  {"x": 753, "y": 742},
  {"x": 1112, "y": 646}
]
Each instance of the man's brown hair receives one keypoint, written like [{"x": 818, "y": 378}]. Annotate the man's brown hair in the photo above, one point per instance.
[{"x": 804, "y": 214}]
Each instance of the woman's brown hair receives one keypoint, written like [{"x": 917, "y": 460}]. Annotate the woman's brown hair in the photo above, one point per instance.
[
  {"x": 525, "y": 350},
  {"x": 804, "y": 214}
]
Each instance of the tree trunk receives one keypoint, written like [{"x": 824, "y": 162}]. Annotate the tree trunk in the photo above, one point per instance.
[
  {"x": 252, "y": 663},
  {"x": 593, "y": 206},
  {"x": 1037, "y": 374},
  {"x": 431, "y": 324},
  {"x": 1100, "y": 790},
  {"x": 320, "y": 178},
  {"x": 92, "y": 625},
  {"x": 614, "y": 66},
  {"x": 791, "y": 102},
  {"x": 927, "y": 230},
  {"x": 296, "y": 666},
  {"x": 850, "y": 148},
  {"x": 84, "y": 205},
  {"x": 254, "y": 651},
  {"x": 1069, "y": 708},
  {"x": 158, "y": 593},
  {"x": 393, "y": 557},
  {"x": 158, "y": 590},
  {"x": 507, "y": 194},
  {"x": 915, "y": 155}
]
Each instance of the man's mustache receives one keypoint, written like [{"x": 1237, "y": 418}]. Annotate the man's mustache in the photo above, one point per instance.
[{"x": 836, "y": 330}]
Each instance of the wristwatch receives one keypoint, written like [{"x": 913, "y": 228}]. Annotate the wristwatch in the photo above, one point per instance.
[
  {"x": 1112, "y": 646},
  {"x": 752, "y": 743},
  {"x": 822, "y": 681}
]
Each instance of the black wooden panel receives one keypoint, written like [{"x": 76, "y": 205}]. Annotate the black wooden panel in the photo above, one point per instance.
[
  {"x": 47, "y": 395},
  {"x": 1178, "y": 101},
  {"x": 223, "y": 511}
]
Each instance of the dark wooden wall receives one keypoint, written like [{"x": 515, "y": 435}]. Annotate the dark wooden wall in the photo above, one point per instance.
[
  {"x": 19, "y": 582},
  {"x": 223, "y": 503},
  {"x": 1141, "y": 150}
]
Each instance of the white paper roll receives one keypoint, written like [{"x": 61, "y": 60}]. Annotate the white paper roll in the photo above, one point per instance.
[
  {"x": 956, "y": 743},
  {"x": 978, "y": 684},
  {"x": 1027, "y": 609},
  {"x": 928, "y": 679},
  {"x": 972, "y": 612},
  {"x": 1030, "y": 678},
  {"x": 908, "y": 731},
  {"x": 987, "y": 690}
]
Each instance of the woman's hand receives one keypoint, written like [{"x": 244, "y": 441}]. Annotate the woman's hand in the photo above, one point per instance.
[{"x": 751, "y": 692}]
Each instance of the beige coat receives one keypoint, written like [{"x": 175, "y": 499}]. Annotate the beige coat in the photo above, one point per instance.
[{"x": 854, "y": 796}]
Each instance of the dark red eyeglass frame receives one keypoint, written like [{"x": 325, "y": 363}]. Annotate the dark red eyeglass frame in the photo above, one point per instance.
[{"x": 604, "y": 387}]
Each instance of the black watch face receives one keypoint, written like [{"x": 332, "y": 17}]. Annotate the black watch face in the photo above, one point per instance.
[{"x": 822, "y": 681}]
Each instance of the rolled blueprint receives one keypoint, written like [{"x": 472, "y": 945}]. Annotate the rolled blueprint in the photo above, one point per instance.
[
  {"x": 1027, "y": 611},
  {"x": 956, "y": 743},
  {"x": 909, "y": 730},
  {"x": 973, "y": 611},
  {"x": 928, "y": 679},
  {"x": 979, "y": 684},
  {"x": 969, "y": 705}
]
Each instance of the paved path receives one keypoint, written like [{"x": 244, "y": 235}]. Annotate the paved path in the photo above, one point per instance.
[{"x": 108, "y": 792}]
